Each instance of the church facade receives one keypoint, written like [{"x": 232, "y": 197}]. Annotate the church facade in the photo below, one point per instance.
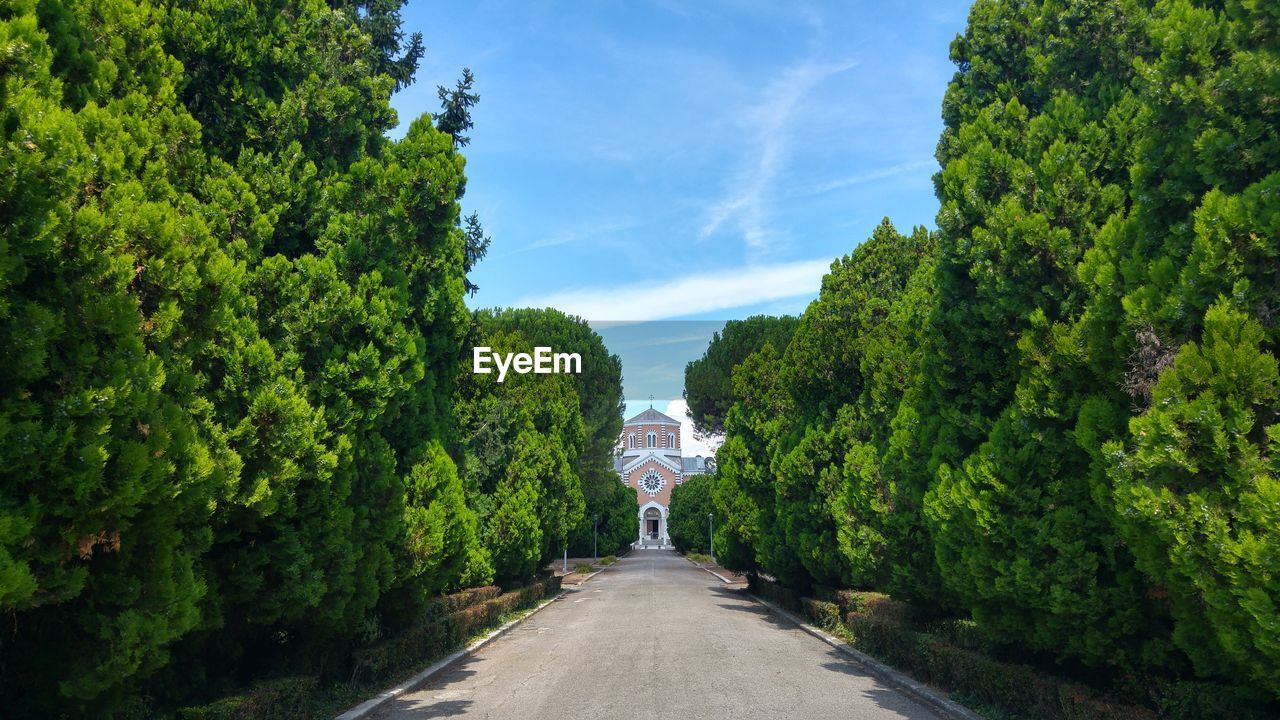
[{"x": 652, "y": 463}]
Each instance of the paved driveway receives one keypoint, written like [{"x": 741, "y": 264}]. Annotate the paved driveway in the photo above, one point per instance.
[{"x": 654, "y": 637}]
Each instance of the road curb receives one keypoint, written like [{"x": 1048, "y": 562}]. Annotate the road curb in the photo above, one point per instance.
[
  {"x": 723, "y": 579},
  {"x": 591, "y": 574},
  {"x": 713, "y": 572},
  {"x": 363, "y": 709},
  {"x": 918, "y": 691}
]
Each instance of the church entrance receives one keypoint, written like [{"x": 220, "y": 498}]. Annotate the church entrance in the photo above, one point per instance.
[
  {"x": 652, "y": 530},
  {"x": 651, "y": 520}
]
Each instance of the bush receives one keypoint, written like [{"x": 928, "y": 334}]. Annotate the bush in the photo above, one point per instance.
[
  {"x": 478, "y": 609},
  {"x": 690, "y": 505},
  {"x": 700, "y": 558},
  {"x": 283, "y": 699},
  {"x": 823, "y": 613},
  {"x": 771, "y": 590},
  {"x": 583, "y": 567},
  {"x": 1189, "y": 700},
  {"x": 452, "y": 603},
  {"x": 977, "y": 677},
  {"x": 608, "y": 559}
]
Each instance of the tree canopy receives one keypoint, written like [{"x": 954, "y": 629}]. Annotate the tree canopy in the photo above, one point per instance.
[{"x": 1056, "y": 413}]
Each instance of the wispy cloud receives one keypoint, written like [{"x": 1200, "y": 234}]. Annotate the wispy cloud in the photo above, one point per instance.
[
  {"x": 564, "y": 237},
  {"x": 689, "y": 295},
  {"x": 865, "y": 177},
  {"x": 745, "y": 205}
]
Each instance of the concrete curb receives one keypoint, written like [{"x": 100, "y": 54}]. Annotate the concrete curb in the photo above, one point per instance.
[
  {"x": 590, "y": 575},
  {"x": 723, "y": 579},
  {"x": 918, "y": 691},
  {"x": 363, "y": 709}
]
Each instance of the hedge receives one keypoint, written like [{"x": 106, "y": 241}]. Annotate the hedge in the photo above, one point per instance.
[
  {"x": 456, "y": 618},
  {"x": 478, "y": 608},
  {"x": 954, "y": 655},
  {"x": 281, "y": 699}
]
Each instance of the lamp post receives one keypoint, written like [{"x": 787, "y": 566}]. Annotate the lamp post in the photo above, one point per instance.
[
  {"x": 711, "y": 530},
  {"x": 595, "y": 535}
]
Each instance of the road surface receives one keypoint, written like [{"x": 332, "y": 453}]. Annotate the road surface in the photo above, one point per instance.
[{"x": 651, "y": 638}]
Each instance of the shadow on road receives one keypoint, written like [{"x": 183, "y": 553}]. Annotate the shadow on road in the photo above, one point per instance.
[
  {"x": 763, "y": 614},
  {"x": 883, "y": 697},
  {"x": 414, "y": 705},
  {"x": 895, "y": 702},
  {"x": 442, "y": 708},
  {"x": 743, "y": 603}
]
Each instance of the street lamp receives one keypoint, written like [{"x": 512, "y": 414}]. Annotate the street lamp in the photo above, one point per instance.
[
  {"x": 595, "y": 534},
  {"x": 711, "y": 530}
]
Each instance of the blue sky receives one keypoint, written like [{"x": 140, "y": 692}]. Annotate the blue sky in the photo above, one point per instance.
[
  {"x": 648, "y": 160},
  {"x": 696, "y": 160}
]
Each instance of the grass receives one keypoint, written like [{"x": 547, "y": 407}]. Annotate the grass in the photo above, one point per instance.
[
  {"x": 583, "y": 567},
  {"x": 608, "y": 559},
  {"x": 700, "y": 558}
]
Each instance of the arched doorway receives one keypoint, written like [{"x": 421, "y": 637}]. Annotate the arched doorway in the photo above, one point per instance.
[{"x": 653, "y": 524}]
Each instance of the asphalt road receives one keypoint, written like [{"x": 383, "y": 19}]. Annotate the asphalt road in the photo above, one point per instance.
[{"x": 651, "y": 638}]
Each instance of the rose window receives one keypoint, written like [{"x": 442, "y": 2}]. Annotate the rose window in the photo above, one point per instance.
[{"x": 651, "y": 482}]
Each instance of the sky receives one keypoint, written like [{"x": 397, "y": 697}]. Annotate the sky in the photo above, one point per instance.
[{"x": 695, "y": 160}]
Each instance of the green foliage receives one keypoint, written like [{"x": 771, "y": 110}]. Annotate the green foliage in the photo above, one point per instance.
[
  {"x": 454, "y": 117},
  {"x": 281, "y": 699},
  {"x": 1201, "y": 496},
  {"x": 744, "y": 490},
  {"x": 231, "y": 310},
  {"x": 107, "y": 477},
  {"x": 609, "y": 507},
  {"x": 440, "y": 531},
  {"x": 1033, "y": 167},
  {"x": 539, "y": 448},
  {"x": 389, "y": 54},
  {"x": 1056, "y": 415},
  {"x": 687, "y": 522},
  {"x": 609, "y": 516},
  {"x": 707, "y": 380},
  {"x": 800, "y": 471}
]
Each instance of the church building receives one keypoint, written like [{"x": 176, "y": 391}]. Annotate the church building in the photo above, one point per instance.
[{"x": 651, "y": 462}]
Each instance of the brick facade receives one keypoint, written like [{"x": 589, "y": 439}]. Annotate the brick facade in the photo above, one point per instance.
[{"x": 652, "y": 464}]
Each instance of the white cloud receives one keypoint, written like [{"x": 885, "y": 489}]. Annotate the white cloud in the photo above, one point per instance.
[
  {"x": 594, "y": 232},
  {"x": 688, "y": 295},
  {"x": 770, "y": 122},
  {"x": 866, "y": 177},
  {"x": 690, "y": 445}
]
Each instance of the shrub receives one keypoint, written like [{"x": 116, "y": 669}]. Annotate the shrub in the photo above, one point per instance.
[
  {"x": 824, "y": 614},
  {"x": 478, "y": 609},
  {"x": 608, "y": 559},
  {"x": 771, "y": 590},
  {"x": 879, "y": 607},
  {"x": 412, "y": 645},
  {"x": 583, "y": 567},
  {"x": 452, "y": 603},
  {"x": 1189, "y": 700},
  {"x": 284, "y": 699}
]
